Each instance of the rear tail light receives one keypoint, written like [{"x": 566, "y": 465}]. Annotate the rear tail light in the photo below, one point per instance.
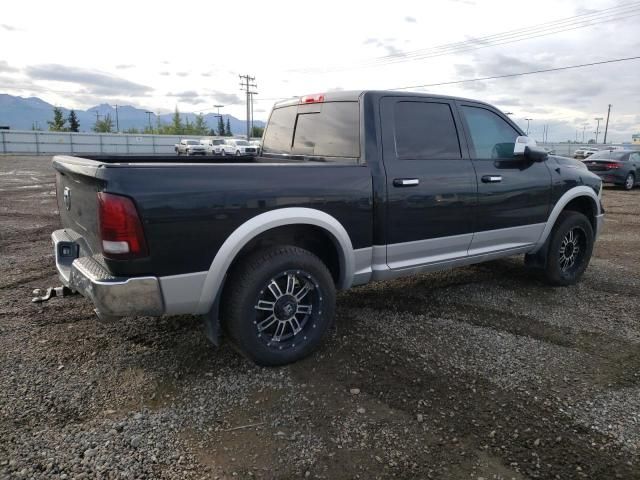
[
  {"x": 315, "y": 98},
  {"x": 120, "y": 227},
  {"x": 612, "y": 166}
]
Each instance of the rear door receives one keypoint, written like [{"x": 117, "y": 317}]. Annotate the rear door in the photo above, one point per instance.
[
  {"x": 514, "y": 194},
  {"x": 431, "y": 184}
]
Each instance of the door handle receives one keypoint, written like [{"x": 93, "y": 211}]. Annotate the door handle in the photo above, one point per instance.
[
  {"x": 491, "y": 178},
  {"x": 405, "y": 182}
]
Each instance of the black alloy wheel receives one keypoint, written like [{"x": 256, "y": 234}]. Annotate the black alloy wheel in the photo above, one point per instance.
[{"x": 278, "y": 304}]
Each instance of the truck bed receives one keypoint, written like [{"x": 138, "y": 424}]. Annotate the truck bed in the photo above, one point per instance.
[{"x": 189, "y": 206}]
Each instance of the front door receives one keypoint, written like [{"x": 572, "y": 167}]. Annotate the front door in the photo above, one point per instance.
[
  {"x": 514, "y": 194},
  {"x": 431, "y": 184}
]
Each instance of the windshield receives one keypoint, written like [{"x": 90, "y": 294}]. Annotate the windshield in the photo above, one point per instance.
[
  {"x": 609, "y": 155},
  {"x": 192, "y": 142},
  {"x": 242, "y": 142}
]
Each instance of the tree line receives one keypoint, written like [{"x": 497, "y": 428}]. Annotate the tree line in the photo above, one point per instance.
[
  {"x": 105, "y": 124},
  {"x": 62, "y": 124}
]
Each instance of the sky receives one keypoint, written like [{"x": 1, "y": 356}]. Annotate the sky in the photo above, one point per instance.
[{"x": 158, "y": 55}]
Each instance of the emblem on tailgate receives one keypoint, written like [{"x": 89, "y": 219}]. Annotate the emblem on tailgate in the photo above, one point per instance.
[{"x": 66, "y": 197}]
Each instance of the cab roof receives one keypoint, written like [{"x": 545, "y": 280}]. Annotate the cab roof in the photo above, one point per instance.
[{"x": 354, "y": 96}]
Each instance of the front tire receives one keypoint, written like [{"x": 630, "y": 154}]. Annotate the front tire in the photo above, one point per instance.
[
  {"x": 629, "y": 182},
  {"x": 279, "y": 305},
  {"x": 570, "y": 248}
]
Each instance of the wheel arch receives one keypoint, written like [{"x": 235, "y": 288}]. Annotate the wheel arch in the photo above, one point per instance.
[
  {"x": 581, "y": 199},
  {"x": 280, "y": 220}
]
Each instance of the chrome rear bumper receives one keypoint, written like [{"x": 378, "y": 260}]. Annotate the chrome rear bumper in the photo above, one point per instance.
[{"x": 112, "y": 296}]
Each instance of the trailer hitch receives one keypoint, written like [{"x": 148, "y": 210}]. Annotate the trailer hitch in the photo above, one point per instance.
[{"x": 50, "y": 293}]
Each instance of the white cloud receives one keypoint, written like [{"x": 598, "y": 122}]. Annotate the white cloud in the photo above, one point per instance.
[{"x": 169, "y": 56}]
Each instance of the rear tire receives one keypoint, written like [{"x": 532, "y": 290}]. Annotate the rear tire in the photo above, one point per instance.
[
  {"x": 279, "y": 305},
  {"x": 570, "y": 248}
]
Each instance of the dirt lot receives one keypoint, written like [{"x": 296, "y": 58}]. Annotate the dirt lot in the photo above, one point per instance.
[{"x": 480, "y": 372}]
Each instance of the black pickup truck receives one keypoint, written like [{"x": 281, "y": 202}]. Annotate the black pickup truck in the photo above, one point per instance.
[{"x": 350, "y": 187}]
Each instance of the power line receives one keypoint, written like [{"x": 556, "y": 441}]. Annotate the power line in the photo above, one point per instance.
[
  {"x": 508, "y": 37},
  {"x": 540, "y": 30},
  {"x": 494, "y": 77}
]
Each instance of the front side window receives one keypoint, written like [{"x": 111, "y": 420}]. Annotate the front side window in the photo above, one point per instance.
[
  {"x": 491, "y": 136},
  {"x": 425, "y": 131}
]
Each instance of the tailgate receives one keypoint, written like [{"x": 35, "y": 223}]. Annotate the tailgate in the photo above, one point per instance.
[{"x": 77, "y": 186}]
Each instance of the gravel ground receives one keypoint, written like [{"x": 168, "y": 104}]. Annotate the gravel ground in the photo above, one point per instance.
[{"x": 482, "y": 372}]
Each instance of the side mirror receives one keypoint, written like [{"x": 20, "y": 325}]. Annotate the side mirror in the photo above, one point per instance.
[
  {"x": 528, "y": 149},
  {"x": 535, "y": 154},
  {"x": 521, "y": 144}
]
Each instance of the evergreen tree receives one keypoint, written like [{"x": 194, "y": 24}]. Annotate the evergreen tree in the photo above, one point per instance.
[
  {"x": 74, "y": 124},
  {"x": 104, "y": 126},
  {"x": 221, "y": 130},
  {"x": 200, "y": 125},
  {"x": 57, "y": 125},
  {"x": 188, "y": 127},
  {"x": 227, "y": 129},
  {"x": 257, "y": 132},
  {"x": 176, "y": 123}
]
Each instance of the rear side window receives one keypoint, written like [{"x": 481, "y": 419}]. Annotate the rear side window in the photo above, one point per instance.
[
  {"x": 425, "y": 131},
  {"x": 491, "y": 136},
  {"x": 331, "y": 131}
]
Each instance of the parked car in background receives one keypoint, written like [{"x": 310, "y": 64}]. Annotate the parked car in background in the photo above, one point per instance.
[
  {"x": 584, "y": 152},
  {"x": 190, "y": 147},
  {"x": 213, "y": 146},
  {"x": 237, "y": 147},
  {"x": 620, "y": 167}
]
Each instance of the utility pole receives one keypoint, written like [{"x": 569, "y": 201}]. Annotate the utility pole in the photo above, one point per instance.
[
  {"x": 218, "y": 116},
  {"x": 598, "y": 119},
  {"x": 584, "y": 127},
  {"x": 528, "y": 120},
  {"x": 606, "y": 127},
  {"x": 251, "y": 113},
  {"x": 246, "y": 85},
  {"x": 149, "y": 120},
  {"x": 117, "y": 122}
]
